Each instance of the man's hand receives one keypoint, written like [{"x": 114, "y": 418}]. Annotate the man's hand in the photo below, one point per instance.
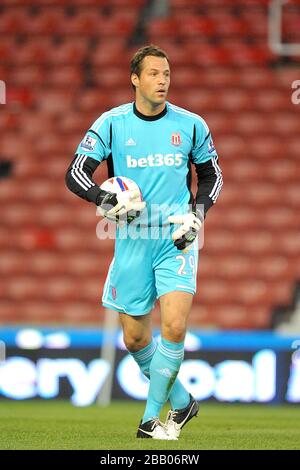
[
  {"x": 188, "y": 230},
  {"x": 113, "y": 204}
]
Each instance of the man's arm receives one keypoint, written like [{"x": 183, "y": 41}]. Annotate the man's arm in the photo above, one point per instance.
[
  {"x": 91, "y": 151},
  {"x": 210, "y": 182},
  {"x": 79, "y": 179}
]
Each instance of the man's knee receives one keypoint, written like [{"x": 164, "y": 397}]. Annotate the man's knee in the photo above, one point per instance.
[
  {"x": 174, "y": 331},
  {"x": 135, "y": 342}
]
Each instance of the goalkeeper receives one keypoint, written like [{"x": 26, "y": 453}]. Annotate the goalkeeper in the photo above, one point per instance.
[{"x": 154, "y": 143}]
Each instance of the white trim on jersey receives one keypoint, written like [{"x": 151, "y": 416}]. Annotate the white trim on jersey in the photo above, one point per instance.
[
  {"x": 186, "y": 287},
  {"x": 89, "y": 182},
  {"x": 179, "y": 110},
  {"x": 107, "y": 281},
  {"x": 219, "y": 183},
  {"x": 114, "y": 305},
  {"x": 76, "y": 174},
  {"x": 79, "y": 175},
  {"x": 124, "y": 109},
  {"x": 106, "y": 289}
]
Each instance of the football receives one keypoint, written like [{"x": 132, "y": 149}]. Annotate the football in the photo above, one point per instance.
[{"x": 124, "y": 186}]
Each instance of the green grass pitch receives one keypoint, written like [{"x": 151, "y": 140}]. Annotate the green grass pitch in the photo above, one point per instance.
[{"x": 59, "y": 425}]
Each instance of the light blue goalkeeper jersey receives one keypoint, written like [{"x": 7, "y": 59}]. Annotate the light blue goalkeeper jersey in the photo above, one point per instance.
[{"x": 154, "y": 151}]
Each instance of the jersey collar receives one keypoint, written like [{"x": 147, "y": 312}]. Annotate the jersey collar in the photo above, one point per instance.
[{"x": 149, "y": 118}]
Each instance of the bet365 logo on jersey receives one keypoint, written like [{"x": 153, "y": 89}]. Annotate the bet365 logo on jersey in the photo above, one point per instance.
[{"x": 158, "y": 159}]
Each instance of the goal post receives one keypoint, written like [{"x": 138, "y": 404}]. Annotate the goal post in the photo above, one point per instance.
[
  {"x": 275, "y": 40},
  {"x": 108, "y": 353}
]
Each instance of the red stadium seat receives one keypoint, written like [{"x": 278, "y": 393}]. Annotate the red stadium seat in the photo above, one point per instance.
[
  {"x": 109, "y": 53},
  {"x": 230, "y": 145},
  {"x": 71, "y": 51},
  {"x": 46, "y": 22},
  {"x": 221, "y": 77},
  {"x": 62, "y": 76},
  {"x": 197, "y": 26},
  {"x": 112, "y": 77},
  {"x": 234, "y": 316},
  {"x": 285, "y": 124},
  {"x": 12, "y": 20},
  {"x": 206, "y": 55},
  {"x": 256, "y": 77},
  {"x": 123, "y": 3},
  {"x": 195, "y": 99},
  {"x": 244, "y": 55},
  {"x": 27, "y": 76},
  {"x": 257, "y": 23},
  {"x": 10, "y": 312},
  {"x": 32, "y": 52},
  {"x": 93, "y": 100},
  {"x": 228, "y": 25},
  {"x": 271, "y": 100},
  {"x": 235, "y": 100},
  {"x": 117, "y": 26},
  {"x": 163, "y": 27},
  {"x": 266, "y": 146}
]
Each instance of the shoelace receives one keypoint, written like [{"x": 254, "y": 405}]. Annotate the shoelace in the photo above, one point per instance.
[
  {"x": 156, "y": 422},
  {"x": 171, "y": 415}
]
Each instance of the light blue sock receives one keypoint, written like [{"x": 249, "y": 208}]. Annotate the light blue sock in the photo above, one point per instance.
[
  {"x": 143, "y": 357},
  {"x": 164, "y": 368},
  {"x": 179, "y": 396}
]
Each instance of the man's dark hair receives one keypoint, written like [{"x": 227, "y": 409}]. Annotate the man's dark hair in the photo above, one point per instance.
[{"x": 137, "y": 59}]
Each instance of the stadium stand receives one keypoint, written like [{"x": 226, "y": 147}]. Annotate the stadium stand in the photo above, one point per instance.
[{"x": 64, "y": 66}]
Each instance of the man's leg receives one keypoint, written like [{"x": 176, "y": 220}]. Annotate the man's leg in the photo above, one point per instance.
[
  {"x": 173, "y": 326},
  {"x": 179, "y": 397},
  {"x": 141, "y": 345},
  {"x": 137, "y": 331},
  {"x": 167, "y": 359}
]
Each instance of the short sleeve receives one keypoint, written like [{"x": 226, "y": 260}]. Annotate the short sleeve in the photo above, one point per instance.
[
  {"x": 203, "y": 149},
  {"x": 96, "y": 142}
]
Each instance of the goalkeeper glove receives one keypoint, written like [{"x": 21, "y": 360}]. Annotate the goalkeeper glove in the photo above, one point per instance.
[
  {"x": 188, "y": 230},
  {"x": 113, "y": 205}
]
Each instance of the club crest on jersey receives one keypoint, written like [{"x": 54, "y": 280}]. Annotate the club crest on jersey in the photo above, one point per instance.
[
  {"x": 114, "y": 293},
  {"x": 176, "y": 139}
]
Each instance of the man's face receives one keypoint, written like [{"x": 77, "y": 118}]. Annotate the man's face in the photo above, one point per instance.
[{"x": 154, "y": 80}]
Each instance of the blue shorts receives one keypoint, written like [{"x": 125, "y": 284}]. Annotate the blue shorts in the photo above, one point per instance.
[{"x": 143, "y": 270}]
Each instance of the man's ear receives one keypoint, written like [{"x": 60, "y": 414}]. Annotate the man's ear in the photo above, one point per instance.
[{"x": 134, "y": 79}]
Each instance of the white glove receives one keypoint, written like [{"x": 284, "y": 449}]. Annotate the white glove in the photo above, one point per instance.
[
  {"x": 188, "y": 230},
  {"x": 127, "y": 201},
  {"x": 122, "y": 203}
]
